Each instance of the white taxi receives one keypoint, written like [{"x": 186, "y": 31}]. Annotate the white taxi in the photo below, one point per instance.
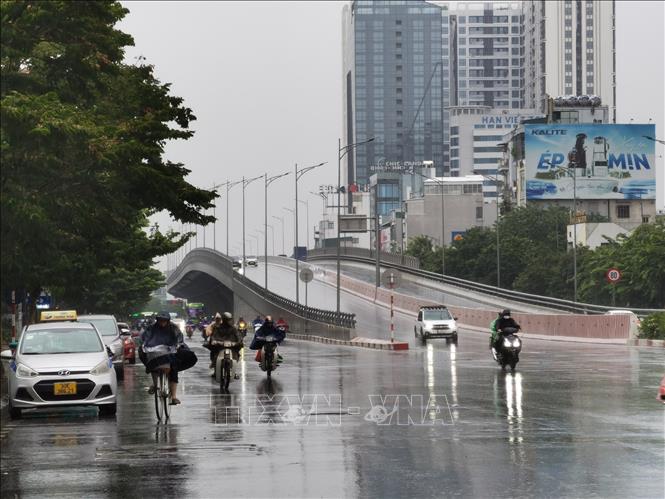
[{"x": 60, "y": 364}]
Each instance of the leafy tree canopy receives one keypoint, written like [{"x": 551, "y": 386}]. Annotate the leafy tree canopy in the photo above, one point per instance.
[{"x": 82, "y": 142}]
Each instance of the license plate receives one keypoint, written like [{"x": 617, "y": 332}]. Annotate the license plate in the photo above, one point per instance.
[{"x": 64, "y": 388}]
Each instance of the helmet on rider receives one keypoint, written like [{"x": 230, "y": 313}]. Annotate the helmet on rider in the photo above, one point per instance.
[
  {"x": 218, "y": 318},
  {"x": 163, "y": 318},
  {"x": 505, "y": 314},
  {"x": 227, "y": 317},
  {"x": 268, "y": 321}
]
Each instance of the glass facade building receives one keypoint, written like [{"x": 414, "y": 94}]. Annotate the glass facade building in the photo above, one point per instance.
[{"x": 394, "y": 68}]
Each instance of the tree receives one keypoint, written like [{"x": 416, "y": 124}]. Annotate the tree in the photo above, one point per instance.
[
  {"x": 82, "y": 142},
  {"x": 641, "y": 259},
  {"x": 421, "y": 248}
]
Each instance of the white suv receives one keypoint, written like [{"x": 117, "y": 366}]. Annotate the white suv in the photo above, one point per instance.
[{"x": 435, "y": 322}]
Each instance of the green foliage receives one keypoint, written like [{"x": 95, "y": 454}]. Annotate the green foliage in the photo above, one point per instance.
[
  {"x": 535, "y": 259},
  {"x": 653, "y": 327},
  {"x": 82, "y": 141},
  {"x": 641, "y": 259}
]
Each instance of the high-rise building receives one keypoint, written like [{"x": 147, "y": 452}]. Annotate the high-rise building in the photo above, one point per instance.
[
  {"x": 569, "y": 50},
  {"x": 392, "y": 85},
  {"x": 487, "y": 51}
]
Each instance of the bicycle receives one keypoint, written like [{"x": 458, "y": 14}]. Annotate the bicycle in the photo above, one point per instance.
[
  {"x": 161, "y": 389},
  {"x": 162, "y": 395}
]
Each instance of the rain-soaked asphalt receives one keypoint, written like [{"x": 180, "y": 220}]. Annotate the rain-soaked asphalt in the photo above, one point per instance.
[{"x": 575, "y": 420}]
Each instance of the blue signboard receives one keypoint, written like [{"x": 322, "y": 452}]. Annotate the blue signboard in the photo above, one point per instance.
[{"x": 608, "y": 161}]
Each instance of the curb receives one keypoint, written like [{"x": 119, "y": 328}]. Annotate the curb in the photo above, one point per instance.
[
  {"x": 646, "y": 343},
  {"x": 356, "y": 342}
]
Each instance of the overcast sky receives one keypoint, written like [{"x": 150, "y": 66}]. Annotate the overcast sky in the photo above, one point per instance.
[{"x": 264, "y": 80}]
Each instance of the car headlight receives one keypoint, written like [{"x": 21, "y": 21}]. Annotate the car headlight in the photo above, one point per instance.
[
  {"x": 23, "y": 371},
  {"x": 101, "y": 368},
  {"x": 506, "y": 343}
]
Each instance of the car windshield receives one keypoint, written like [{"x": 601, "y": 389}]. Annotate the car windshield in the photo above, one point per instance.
[
  {"x": 54, "y": 341},
  {"x": 106, "y": 327},
  {"x": 436, "y": 315}
]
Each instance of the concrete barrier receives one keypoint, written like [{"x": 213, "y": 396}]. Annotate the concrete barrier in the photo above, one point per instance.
[{"x": 603, "y": 327}]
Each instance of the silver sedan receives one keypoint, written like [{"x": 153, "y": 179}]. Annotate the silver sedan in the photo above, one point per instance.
[{"x": 60, "y": 364}]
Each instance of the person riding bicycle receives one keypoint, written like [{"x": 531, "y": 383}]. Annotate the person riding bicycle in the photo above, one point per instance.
[
  {"x": 503, "y": 320},
  {"x": 176, "y": 353},
  {"x": 224, "y": 330}
]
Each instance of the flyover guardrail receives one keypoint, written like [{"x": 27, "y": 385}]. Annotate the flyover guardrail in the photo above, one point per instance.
[
  {"x": 329, "y": 317},
  {"x": 517, "y": 296}
]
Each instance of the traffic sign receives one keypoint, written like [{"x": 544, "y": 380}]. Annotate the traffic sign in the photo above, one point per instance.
[
  {"x": 391, "y": 279},
  {"x": 613, "y": 275},
  {"x": 306, "y": 275}
]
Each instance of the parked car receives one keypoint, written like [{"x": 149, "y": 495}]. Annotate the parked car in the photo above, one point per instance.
[
  {"x": 435, "y": 322},
  {"x": 108, "y": 328},
  {"x": 60, "y": 364},
  {"x": 127, "y": 342}
]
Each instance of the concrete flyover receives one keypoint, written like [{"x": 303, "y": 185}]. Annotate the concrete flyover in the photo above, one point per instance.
[{"x": 207, "y": 276}]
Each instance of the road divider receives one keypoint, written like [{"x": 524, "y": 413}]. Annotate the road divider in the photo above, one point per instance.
[{"x": 372, "y": 343}]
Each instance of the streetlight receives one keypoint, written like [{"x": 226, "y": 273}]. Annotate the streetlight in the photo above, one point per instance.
[
  {"x": 306, "y": 203},
  {"x": 443, "y": 217},
  {"x": 293, "y": 212},
  {"x": 341, "y": 152},
  {"x": 281, "y": 219},
  {"x": 322, "y": 230},
  {"x": 498, "y": 253},
  {"x": 297, "y": 175},
  {"x": 228, "y": 185},
  {"x": 267, "y": 182},
  {"x": 245, "y": 183},
  {"x": 568, "y": 170}
]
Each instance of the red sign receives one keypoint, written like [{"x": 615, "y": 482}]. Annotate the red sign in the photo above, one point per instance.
[
  {"x": 613, "y": 275},
  {"x": 353, "y": 188}
]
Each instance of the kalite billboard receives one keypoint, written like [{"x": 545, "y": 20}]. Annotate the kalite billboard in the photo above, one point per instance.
[{"x": 609, "y": 161}]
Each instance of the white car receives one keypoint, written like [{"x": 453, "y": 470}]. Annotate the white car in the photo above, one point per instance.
[
  {"x": 60, "y": 364},
  {"x": 253, "y": 261},
  {"x": 435, "y": 322}
]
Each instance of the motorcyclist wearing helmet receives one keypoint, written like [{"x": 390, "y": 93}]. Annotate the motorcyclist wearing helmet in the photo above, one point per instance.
[
  {"x": 224, "y": 330},
  {"x": 164, "y": 332},
  {"x": 504, "y": 319},
  {"x": 268, "y": 328}
]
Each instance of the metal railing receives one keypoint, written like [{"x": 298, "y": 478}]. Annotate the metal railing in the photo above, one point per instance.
[
  {"x": 517, "y": 296},
  {"x": 393, "y": 258},
  {"x": 331, "y": 317}
]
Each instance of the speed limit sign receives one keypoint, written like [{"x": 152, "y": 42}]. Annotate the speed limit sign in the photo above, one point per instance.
[{"x": 613, "y": 275}]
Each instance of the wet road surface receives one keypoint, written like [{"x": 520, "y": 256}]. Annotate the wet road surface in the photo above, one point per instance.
[{"x": 575, "y": 420}]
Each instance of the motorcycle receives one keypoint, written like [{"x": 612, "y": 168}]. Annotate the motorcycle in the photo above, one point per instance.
[
  {"x": 224, "y": 363},
  {"x": 189, "y": 330},
  {"x": 510, "y": 347},
  {"x": 268, "y": 361}
]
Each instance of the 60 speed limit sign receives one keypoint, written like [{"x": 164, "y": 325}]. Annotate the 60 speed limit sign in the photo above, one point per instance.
[{"x": 613, "y": 275}]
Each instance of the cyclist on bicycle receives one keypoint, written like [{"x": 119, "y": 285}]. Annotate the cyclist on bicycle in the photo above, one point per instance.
[{"x": 177, "y": 355}]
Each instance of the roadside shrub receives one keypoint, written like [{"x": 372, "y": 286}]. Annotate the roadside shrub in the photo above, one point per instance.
[{"x": 653, "y": 327}]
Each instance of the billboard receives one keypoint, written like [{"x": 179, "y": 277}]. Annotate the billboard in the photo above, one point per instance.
[{"x": 608, "y": 161}]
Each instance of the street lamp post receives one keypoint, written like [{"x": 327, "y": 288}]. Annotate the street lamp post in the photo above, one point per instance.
[
  {"x": 281, "y": 219},
  {"x": 306, "y": 203},
  {"x": 228, "y": 184},
  {"x": 341, "y": 152},
  {"x": 498, "y": 239},
  {"x": 443, "y": 220},
  {"x": 245, "y": 183},
  {"x": 298, "y": 174},
  {"x": 322, "y": 229},
  {"x": 267, "y": 182}
]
